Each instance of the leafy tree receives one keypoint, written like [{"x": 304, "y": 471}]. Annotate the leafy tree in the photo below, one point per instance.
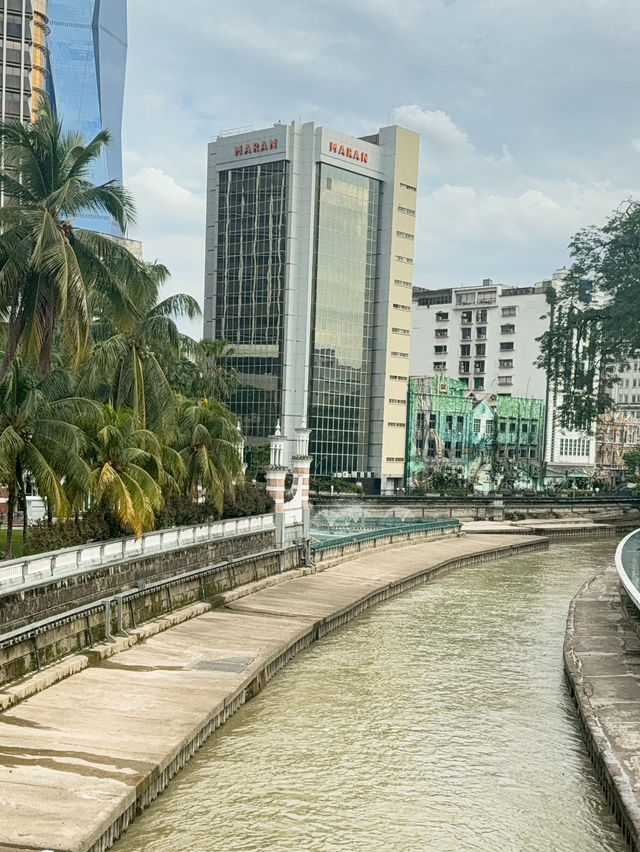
[
  {"x": 632, "y": 463},
  {"x": 48, "y": 267},
  {"x": 39, "y": 440},
  {"x": 595, "y": 316},
  {"x": 134, "y": 346},
  {"x": 208, "y": 445},
  {"x": 127, "y": 473},
  {"x": 205, "y": 374}
]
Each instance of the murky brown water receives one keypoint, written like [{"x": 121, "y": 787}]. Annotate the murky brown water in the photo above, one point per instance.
[{"x": 437, "y": 721}]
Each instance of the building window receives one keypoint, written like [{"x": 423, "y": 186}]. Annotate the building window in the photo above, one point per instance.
[
  {"x": 405, "y": 235},
  {"x": 448, "y": 421},
  {"x": 481, "y": 316},
  {"x": 466, "y": 316},
  {"x": 532, "y": 454},
  {"x": 440, "y": 366},
  {"x": 488, "y": 428},
  {"x": 400, "y": 331},
  {"x": 523, "y": 453},
  {"x": 463, "y": 367},
  {"x": 431, "y": 448},
  {"x": 466, "y": 334},
  {"x": 507, "y": 329},
  {"x": 465, "y": 350},
  {"x": 433, "y": 421},
  {"x": 447, "y": 449},
  {"x": 481, "y": 333},
  {"x": 396, "y": 425},
  {"x": 510, "y": 453},
  {"x": 406, "y": 210},
  {"x": 442, "y": 332},
  {"x": 465, "y": 298},
  {"x": 402, "y": 283},
  {"x": 509, "y": 311},
  {"x": 478, "y": 366},
  {"x": 506, "y": 363},
  {"x": 576, "y": 447},
  {"x": 460, "y": 423},
  {"x": 478, "y": 383},
  {"x": 402, "y": 259},
  {"x": 440, "y": 350},
  {"x": 524, "y": 427},
  {"x": 464, "y": 380},
  {"x": 402, "y": 307},
  {"x": 398, "y": 378},
  {"x": 408, "y": 186},
  {"x": 507, "y": 347},
  {"x": 505, "y": 380},
  {"x": 476, "y": 425},
  {"x": 458, "y": 449},
  {"x": 481, "y": 349},
  {"x": 399, "y": 354},
  {"x": 512, "y": 426},
  {"x": 442, "y": 315}
]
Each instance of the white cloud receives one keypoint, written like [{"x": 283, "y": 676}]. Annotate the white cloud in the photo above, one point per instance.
[
  {"x": 165, "y": 207},
  {"x": 635, "y": 144}
]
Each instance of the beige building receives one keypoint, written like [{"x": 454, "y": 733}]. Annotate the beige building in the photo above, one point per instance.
[
  {"x": 617, "y": 433},
  {"x": 24, "y": 57},
  {"x": 309, "y": 275}
]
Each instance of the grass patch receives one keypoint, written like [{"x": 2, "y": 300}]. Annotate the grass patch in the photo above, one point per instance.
[{"x": 17, "y": 542}]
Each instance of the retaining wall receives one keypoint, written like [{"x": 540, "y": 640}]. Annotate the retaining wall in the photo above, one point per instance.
[
  {"x": 52, "y": 597},
  {"x": 74, "y": 633}
]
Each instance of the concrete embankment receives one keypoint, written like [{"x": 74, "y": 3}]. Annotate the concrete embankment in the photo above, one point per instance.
[
  {"x": 80, "y": 760},
  {"x": 602, "y": 662}
]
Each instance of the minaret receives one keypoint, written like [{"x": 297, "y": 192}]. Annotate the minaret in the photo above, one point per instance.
[{"x": 276, "y": 473}]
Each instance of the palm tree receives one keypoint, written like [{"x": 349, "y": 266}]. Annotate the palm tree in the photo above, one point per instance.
[
  {"x": 48, "y": 267},
  {"x": 39, "y": 441},
  {"x": 127, "y": 472},
  {"x": 205, "y": 372},
  {"x": 134, "y": 347},
  {"x": 209, "y": 445}
]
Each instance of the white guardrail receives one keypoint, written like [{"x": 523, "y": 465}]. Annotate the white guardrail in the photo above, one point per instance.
[
  {"x": 624, "y": 553},
  {"x": 74, "y": 560}
]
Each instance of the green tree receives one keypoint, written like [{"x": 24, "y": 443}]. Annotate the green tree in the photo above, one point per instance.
[
  {"x": 127, "y": 472},
  {"x": 206, "y": 373},
  {"x": 48, "y": 267},
  {"x": 632, "y": 463},
  {"x": 39, "y": 441},
  {"x": 133, "y": 348},
  {"x": 208, "y": 444},
  {"x": 594, "y": 316}
]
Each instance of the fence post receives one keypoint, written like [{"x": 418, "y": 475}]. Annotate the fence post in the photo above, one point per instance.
[
  {"x": 107, "y": 621},
  {"x": 52, "y": 562}
]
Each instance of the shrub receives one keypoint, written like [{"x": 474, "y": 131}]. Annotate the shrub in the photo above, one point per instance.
[{"x": 246, "y": 499}]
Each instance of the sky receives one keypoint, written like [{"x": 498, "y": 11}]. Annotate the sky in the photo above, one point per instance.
[{"x": 527, "y": 110}]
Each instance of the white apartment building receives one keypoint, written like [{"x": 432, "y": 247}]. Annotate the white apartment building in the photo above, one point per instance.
[{"x": 486, "y": 337}]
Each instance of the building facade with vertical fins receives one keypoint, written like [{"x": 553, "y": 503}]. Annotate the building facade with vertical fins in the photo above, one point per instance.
[
  {"x": 88, "y": 56},
  {"x": 309, "y": 275},
  {"x": 23, "y": 30}
]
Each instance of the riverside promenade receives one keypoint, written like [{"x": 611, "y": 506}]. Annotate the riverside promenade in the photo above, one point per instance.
[
  {"x": 81, "y": 759},
  {"x": 602, "y": 663}
]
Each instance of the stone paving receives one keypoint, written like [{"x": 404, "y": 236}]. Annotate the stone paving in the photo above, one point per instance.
[
  {"x": 602, "y": 661},
  {"x": 77, "y": 756}
]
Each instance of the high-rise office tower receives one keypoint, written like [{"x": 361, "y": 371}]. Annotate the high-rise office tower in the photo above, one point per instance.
[
  {"x": 88, "y": 56},
  {"x": 24, "y": 57},
  {"x": 309, "y": 274}
]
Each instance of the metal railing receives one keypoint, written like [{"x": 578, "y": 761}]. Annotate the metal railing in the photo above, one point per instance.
[
  {"x": 628, "y": 565},
  {"x": 389, "y": 529},
  {"x": 73, "y": 560}
]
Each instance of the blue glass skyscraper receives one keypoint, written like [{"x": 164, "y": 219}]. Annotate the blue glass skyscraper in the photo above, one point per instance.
[{"x": 88, "y": 56}]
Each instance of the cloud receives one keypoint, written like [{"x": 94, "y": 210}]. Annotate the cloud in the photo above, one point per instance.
[
  {"x": 635, "y": 144},
  {"x": 165, "y": 207}
]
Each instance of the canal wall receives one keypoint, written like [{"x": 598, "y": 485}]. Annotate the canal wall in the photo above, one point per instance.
[
  {"x": 51, "y": 597},
  {"x": 47, "y": 642},
  {"x": 601, "y": 661},
  {"x": 103, "y": 744}
]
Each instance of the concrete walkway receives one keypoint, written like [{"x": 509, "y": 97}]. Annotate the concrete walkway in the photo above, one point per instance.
[
  {"x": 602, "y": 662},
  {"x": 81, "y": 759}
]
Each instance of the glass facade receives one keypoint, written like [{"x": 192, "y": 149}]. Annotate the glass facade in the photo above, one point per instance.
[
  {"x": 342, "y": 323},
  {"x": 23, "y": 60},
  {"x": 252, "y": 231},
  {"x": 88, "y": 55}
]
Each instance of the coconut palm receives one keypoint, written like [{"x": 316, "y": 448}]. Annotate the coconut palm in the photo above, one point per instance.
[
  {"x": 133, "y": 347},
  {"x": 39, "y": 441},
  {"x": 127, "y": 472},
  {"x": 47, "y": 266},
  {"x": 209, "y": 446}
]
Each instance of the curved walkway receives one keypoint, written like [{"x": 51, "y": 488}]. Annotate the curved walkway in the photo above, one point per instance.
[
  {"x": 602, "y": 663},
  {"x": 80, "y": 760}
]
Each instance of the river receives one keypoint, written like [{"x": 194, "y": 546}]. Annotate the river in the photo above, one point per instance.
[{"x": 439, "y": 720}]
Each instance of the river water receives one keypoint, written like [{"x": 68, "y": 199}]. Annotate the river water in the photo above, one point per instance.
[{"x": 439, "y": 720}]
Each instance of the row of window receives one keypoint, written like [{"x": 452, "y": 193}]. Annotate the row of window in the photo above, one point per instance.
[
  {"x": 402, "y": 283},
  {"x": 402, "y": 259},
  {"x": 409, "y": 187},
  {"x": 577, "y": 447},
  {"x": 399, "y": 354},
  {"x": 401, "y": 307},
  {"x": 405, "y": 235},
  {"x": 406, "y": 210}
]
